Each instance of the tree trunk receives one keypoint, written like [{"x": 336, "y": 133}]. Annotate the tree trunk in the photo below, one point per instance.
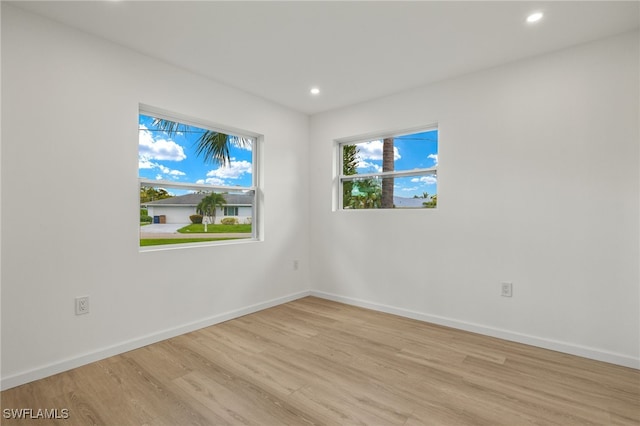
[{"x": 387, "y": 166}]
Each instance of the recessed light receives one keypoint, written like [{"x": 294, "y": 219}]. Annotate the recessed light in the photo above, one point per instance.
[
  {"x": 534, "y": 17},
  {"x": 315, "y": 91}
]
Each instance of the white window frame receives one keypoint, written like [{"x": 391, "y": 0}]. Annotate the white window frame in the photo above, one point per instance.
[
  {"x": 253, "y": 189},
  {"x": 342, "y": 178}
]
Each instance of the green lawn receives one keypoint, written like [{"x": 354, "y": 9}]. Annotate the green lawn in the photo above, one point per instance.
[
  {"x": 215, "y": 229},
  {"x": 162, "y": 241}
]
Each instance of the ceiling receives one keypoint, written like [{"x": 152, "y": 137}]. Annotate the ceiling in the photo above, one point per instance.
[{"x": 352, "y": 51}]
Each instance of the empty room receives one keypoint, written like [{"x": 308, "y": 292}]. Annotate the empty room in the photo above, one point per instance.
[{"x": 320, "y": 213}]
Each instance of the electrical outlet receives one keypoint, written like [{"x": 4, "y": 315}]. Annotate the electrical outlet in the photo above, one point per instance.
[
  {"x": 82, "y": 305},
  {"x": 507, "y": 290}
]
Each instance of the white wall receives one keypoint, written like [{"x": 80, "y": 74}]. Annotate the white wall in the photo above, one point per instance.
[
  {"x": 538, "y": 185},
  {"x": 173, "y": 214},
  {"x": 69, "y": 144}
]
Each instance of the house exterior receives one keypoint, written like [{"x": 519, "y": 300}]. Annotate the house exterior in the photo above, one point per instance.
[
  {"x": 178, "y": 209},
  {"x": 408, "y": 203}
]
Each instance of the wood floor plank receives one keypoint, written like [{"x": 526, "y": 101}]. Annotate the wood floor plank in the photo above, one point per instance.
[{"x": 317, "y": 362}]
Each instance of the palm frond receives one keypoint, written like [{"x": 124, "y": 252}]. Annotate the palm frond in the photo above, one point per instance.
[
  {"x": 240, "y": 142},
  {"x": 212, "y": 146},
  {"x": 171, "y": 127}
]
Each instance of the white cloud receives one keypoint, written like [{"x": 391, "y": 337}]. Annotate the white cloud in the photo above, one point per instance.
[
  {"x": 367, "y": 165},
  {"x": 144, "y": 163},
  {"x": 158, "y": 149},
  {"x": 429, "y": 180},
  {"x": 373, "y": 151},
  {"x": 211, "y": 181},
  {"x": 434, "y": 157},
  {"x": 410, "y": 189},
  {"x": 234, "y": 170}
]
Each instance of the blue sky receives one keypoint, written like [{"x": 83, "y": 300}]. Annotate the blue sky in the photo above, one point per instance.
[
  {"x": 161, "y": 157},
  {"x": 414, "y": 151}
]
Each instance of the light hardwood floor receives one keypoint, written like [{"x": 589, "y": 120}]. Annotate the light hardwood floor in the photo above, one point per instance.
[{"x": 314, "y": 361}]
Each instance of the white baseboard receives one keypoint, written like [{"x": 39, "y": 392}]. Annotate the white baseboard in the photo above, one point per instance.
[
  {"x": 87, "y": 358},
  {"x": 582, "y": 351}
]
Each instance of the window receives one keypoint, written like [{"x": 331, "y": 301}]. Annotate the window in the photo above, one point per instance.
[
  {"x": 391, "y": 171},
  {"x": 231, "y": 211},
  {"x": 191, "y": 176}
]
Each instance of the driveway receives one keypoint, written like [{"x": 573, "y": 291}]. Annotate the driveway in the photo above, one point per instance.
[
  {"x": 162, "y": 228},
  {"x": 170, "y": 230}
]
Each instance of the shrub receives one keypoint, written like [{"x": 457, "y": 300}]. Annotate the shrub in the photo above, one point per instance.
[
  {"x": 229, "y": 221},
  {"x": 196, "y": 218},
  {"x": 145, "y": 218}
]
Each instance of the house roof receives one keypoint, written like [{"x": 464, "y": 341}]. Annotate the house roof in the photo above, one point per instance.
[
  {"x": 403, "y": 202},
  {"x": 195, "y": 198}
]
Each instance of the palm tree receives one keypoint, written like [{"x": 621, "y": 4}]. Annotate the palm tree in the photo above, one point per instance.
[
  {"x": 212, "y": 145},
  {"x": 149, "y": 193},
  {"x": 431, "y": 203},
  {"x": 207, "y": 207},
  {"x": 387, "y": 166},
  {"x": 368, "y": 194},
  {"x": 349, "y": 167}
]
